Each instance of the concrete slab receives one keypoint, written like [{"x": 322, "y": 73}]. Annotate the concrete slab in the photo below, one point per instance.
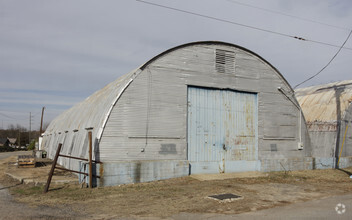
[
  {"x": 41, "y": 181},
  {"x": 222, "y": 176}
]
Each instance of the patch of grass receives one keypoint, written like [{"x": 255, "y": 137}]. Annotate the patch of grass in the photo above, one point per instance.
[{"x": 28, "y": 191}]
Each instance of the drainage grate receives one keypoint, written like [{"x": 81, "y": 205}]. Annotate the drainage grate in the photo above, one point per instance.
[{"x": 225, "y": 197}]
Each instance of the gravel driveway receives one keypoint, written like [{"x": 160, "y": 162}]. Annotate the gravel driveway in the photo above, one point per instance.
[{"x": 11, "y": 209}]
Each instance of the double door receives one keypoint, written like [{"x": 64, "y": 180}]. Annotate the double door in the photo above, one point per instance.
[{"x": 222, "y": 130}]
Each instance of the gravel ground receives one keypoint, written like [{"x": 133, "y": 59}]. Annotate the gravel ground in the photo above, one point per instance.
[{"x": 13, "y": 209}]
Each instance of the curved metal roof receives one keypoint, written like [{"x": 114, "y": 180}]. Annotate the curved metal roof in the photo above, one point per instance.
[
  {"x": 319, "y": 103},
  {"x": 94, "y": 111},
  {"x": 217, "y": 43}
]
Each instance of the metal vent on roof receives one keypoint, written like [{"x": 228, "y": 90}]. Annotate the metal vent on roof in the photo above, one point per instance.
[{"x": 224, "y": 61}]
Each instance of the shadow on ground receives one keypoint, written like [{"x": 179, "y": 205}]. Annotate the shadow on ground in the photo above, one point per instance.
[
  {"x": 8, "y": 187},
  {"x": 345, "y": 171}
]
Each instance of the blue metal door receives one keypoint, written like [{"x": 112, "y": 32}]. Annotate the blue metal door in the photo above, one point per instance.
[{"x": 222, "y": 131}]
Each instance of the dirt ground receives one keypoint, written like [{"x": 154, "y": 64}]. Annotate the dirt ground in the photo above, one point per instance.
[{"x": 169, "y": 197}]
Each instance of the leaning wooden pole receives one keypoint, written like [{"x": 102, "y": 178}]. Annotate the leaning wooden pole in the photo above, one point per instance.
[
  {"x": 52, "y": 168},
  {"x": 41, "y": 122},
  {"x": 90, "y": 160}
]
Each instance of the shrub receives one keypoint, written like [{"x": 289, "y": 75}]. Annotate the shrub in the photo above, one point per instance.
[{"x": 31, "y": 146}]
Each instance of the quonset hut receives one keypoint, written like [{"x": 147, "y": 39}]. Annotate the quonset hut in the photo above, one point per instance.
[
  {"x": 328, "y": 111},
  {"x": 203, "y": 107}
]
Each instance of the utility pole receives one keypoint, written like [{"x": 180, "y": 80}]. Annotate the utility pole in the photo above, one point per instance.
[
  {"x": 19, "y": 137},
  {"x": 41, "y": 122},
  {"x": 30, "y": 127}
]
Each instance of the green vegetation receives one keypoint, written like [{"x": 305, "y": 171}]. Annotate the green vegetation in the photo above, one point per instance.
[
  {"x": 33, "y": 190},
  {"x": 31, "y": 146}
]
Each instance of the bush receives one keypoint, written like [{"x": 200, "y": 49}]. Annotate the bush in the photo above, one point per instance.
[{"x": 31, "y": 146}]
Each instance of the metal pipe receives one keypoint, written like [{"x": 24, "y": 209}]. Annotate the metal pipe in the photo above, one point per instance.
[
  {"x": 78, "y": 158},
  {"x": 74, "y": 171}
]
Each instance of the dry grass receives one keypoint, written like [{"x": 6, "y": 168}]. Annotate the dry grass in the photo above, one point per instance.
[{"x": 168, "y": 197}]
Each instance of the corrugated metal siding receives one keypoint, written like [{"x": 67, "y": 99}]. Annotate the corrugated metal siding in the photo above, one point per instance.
[
  {"x": 143, "y": 171},
  {"x": 149, "y": 121},
  {"x": 324, "y": 143},
  {"x": 161, "y": 131},
  {"x": 284, "y": 127},
  {"x": 222, "y": 125},
  {"x": 69, "y": 127}
]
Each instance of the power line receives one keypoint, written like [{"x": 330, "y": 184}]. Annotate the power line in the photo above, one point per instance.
[
  {"x": 10, "y": 117},
  {"x": 7, "y": 116},
  {"x": 327, "y": 63},
  {"x": 36, "y": 114},
  {"x": 213, "y": 18},
  {"x": 288, "y": 15},
  {"x": 240, "y": 24}
]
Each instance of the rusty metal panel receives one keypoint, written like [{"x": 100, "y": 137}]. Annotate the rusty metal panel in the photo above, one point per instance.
[{"x": 222, "y": 127}]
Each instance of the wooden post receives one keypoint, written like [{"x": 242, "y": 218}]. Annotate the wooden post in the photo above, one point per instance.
[
  {"x": 52, "y": 168},
  {"x": 90, "y": 160},
  {"x": 30, "y": 128}
]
